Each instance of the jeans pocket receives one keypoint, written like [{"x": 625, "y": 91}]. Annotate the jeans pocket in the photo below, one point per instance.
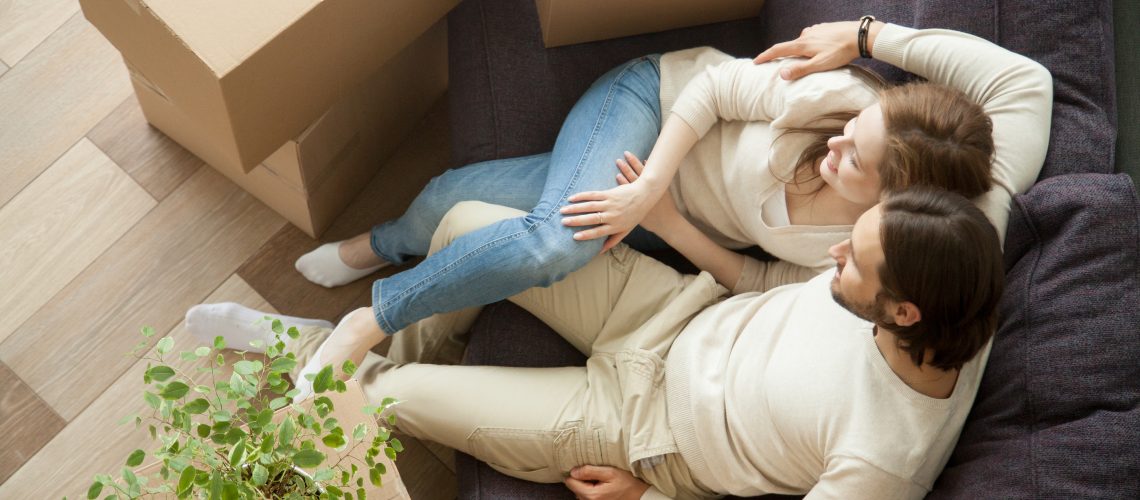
[{"x": 523, "y": 453}]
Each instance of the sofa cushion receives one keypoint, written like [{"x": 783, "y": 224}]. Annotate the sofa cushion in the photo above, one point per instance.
[{"x": 1058, "y": 410}]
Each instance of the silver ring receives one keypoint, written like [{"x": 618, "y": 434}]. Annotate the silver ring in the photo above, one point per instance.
[{"x": 600, "y": 219}]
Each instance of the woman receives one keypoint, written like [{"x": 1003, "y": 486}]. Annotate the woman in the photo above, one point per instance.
[{"x": 759, "y": 169}]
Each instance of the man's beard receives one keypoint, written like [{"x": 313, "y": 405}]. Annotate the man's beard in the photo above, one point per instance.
[{"x": 872, "y": 311}]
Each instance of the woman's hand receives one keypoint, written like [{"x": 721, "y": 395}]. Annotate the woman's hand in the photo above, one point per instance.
[
  {"x": 664, "y": 213},
  {"x": 613, "y": 212},
  {"x": 593, "y": 482},
  {"x": 827, "y": 46}
]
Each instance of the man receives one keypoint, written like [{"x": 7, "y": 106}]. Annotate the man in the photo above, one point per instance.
[{"x": 855, "y": 384}]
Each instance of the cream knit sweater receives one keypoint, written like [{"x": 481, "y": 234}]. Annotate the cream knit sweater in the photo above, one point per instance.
[
  {"x": 738, "y": 109},
  {"x": 785, "y": 392}
]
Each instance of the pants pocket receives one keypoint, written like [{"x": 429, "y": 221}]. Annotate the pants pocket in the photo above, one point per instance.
[{"x": 522, "y": 453}]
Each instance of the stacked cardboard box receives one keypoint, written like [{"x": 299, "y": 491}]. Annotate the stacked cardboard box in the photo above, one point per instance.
[
  {"x": 297, "y": 101},
  {"x": 566, "y": 22}
]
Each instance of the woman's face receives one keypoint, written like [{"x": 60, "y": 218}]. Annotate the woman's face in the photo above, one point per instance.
[{"x": 851, "y": 166}]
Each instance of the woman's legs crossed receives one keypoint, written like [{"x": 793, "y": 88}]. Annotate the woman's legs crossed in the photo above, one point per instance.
[
  {"x": 514, "y": 182},
  {"x": 620, "y": 112}
]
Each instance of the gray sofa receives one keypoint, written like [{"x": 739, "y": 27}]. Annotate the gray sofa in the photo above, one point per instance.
[{"x": 1058, "y": 411}]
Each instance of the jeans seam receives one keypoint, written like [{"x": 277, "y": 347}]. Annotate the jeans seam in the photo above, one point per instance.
[{"x": 603, "y": 117}]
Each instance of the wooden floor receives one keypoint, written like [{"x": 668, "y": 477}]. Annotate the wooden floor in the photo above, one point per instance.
[{"x": 107, "y": 226}]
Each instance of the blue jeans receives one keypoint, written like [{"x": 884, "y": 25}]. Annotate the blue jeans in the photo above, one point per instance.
[{"x": 620, "y": 112}]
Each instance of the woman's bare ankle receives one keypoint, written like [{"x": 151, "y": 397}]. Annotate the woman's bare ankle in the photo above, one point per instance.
[{"x": 357, "y": 253}]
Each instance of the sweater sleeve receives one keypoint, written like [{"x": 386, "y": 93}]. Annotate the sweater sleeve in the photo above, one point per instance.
[
  {"x": 853, "y": 478},
  {"x": 1015, "y": 91},
  {"x": 738, "y": 90},
  {"x": 760, "y": 276}
]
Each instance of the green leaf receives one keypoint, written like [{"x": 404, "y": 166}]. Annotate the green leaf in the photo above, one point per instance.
[
  {"x": 340, "y": 386},
  {"x": 203, "y": 431},
  {"x": 136, "y": 458},
  {"x": 323, "y": 379},
  {"x": 188, "y": 356},
  {"x": 174, "y": 390},
  {"x": 392, "y": 419},
  {"x": 386, "y": 402},
  {"x": 222, "y": 416},
  {"x": 230, "y": 492},
  {"x": 293, "y": 333},
  {"x": 215, "y": 484},
  {"x": 130, "y": 477},
  {"x": 186, "y": 481},
  {"x": 220, "y": 360},
  {"x": 288, "y": 431},
  {"x": 237, "y": 453},
  {"x": 359, "y": 431},
  {"x": 278, "y": 403},
  {"x": 374, "y": 477},
  {"x": 308, "y": 459},
  {"x": 323, "y": 475},
  {"x": 260, "y": 474},
  {"x": 348, "y": 367},
  {"x": 219, "y": 342},
  {"x": 283, "y": 365},
  {"x": 277, "y": 326},
  {"x": 390, "y": 452},
  {"x": 246, "y": 367},
  {"x": 335, "y": 441},
  {"x": 147, "y": 331},
  {"x": 197, "y": 406},
  {"x": 397, "y": 445},
  {"x": 160, "y": 373},
  {"x": 202, "y": 352},
  {"x": 94, "y": 491},
  {"x": 165, "y": 344},
  {"x": 381, "y": 467}
]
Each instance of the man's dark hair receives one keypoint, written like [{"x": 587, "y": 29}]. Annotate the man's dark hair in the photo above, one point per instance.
[{"x": 944, "y": 256}]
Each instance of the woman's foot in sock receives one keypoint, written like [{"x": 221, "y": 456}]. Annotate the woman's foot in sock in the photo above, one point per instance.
[
  {"x": 356, "y": 334},
  {"x": 240, "y": 325},
  {"x": 340, "y": 263}
]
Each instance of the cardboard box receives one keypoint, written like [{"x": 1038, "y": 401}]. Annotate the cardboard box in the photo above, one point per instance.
[
  {"x": 566, "y": 22},
  {"x": 253, "y": 74},
  {"x": 311, "y": 179},
  {"x": 348, "y": 411}
]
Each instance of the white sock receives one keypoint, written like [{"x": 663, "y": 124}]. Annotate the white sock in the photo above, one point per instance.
[
  {"x": 240, "y": 325},
  {"x": 324, "y": 267}
]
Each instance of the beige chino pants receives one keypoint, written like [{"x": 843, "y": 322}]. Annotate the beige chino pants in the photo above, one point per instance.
[{"x": 623, "y": 310}]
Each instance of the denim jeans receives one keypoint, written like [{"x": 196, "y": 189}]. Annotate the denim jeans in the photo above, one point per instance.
[{"x": 620, "y": 112}]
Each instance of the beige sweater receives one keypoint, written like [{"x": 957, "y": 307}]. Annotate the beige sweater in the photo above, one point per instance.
[
  {"x": 785, "y": 392},
  {"x": 739, "y": 108}
]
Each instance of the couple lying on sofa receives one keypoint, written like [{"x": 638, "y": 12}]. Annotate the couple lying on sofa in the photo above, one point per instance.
[{"x": 855, "y": 383}]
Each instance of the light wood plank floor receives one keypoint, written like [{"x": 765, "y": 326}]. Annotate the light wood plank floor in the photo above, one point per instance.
[{"x": 106, "y": 226}]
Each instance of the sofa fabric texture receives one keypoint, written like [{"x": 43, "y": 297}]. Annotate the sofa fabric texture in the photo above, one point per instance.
[{"x": 1057, "y": 412}]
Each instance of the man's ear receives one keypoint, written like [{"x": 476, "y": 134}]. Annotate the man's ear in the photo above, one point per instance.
[{"x": 905, "y": 313}]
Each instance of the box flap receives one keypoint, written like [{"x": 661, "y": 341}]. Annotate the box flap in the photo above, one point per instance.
[{"x": 223, "y": 32}]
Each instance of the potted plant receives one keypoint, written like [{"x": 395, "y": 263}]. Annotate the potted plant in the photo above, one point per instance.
[{"x": 247, "y": 436}]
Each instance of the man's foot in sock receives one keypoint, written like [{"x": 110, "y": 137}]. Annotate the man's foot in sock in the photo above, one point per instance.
[
  {"x": 239, "y": 325},
  {"x": 356, "y": 334},
  {"x": 340, "y": 263}
]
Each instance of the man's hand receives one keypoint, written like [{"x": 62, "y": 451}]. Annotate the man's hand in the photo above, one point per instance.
[{"x": 594, "y": 482}]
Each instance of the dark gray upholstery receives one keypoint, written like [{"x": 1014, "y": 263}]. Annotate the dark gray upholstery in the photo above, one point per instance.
[
  {"x": 1056, "y": 414},
  {"x": 1058, "y": 411}
]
